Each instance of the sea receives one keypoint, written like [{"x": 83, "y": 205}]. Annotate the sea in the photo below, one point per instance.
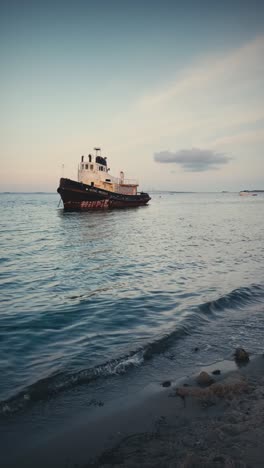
[{"x": 98, "y": 306}]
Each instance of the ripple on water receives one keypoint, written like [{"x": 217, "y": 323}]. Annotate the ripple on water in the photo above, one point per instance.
[{"x": 88, "y": 295}]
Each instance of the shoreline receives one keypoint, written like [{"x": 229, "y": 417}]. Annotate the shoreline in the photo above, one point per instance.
[{"x": 179, "y": 425}]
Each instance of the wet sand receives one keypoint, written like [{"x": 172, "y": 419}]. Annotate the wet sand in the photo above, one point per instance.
[
  {"x": 183, "y": 425},
  {"x": 216, "y": 426}
]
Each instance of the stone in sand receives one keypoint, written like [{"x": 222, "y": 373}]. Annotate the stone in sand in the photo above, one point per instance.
[
  {"x": 204, "y": 379},
  {"x": 241, "y": 355},
  {"x": 167, "y": 383}
]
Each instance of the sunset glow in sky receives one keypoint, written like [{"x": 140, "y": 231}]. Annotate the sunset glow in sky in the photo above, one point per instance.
[{"x": 172, "y": 91}]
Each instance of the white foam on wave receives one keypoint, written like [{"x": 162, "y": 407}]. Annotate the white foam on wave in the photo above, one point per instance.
[{"x": 132, "y": 361}]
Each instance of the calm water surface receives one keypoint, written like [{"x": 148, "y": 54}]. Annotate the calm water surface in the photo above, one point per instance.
[{"x": 93, "y": 300}]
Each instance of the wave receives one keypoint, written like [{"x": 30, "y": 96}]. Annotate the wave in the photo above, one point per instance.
[
  {"x": 238, "y": 298},
  {"x": 53, "y": 385}
]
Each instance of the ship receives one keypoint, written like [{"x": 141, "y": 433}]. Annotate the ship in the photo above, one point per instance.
[
  {"x": 251, "y": 193},
  {"x": 96, "y": 189}
]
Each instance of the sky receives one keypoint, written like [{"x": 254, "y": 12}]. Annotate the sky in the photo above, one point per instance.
[{"x": 172, "y": 91}]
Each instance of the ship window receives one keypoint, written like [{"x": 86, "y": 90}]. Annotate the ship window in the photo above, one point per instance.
[
  {"x": 86, "y": 166},
  {"x": 91, "y": 167}
]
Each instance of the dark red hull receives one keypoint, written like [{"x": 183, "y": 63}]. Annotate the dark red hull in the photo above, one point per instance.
[{"x": 81, "y": 197}]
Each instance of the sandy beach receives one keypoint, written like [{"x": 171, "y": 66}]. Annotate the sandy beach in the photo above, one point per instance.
[{"x": 216, "y": 426}]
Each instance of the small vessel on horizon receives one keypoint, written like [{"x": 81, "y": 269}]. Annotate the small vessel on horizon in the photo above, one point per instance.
[
  {"x": 96, "y": 189},
  {"x": 248, "y": 193}
]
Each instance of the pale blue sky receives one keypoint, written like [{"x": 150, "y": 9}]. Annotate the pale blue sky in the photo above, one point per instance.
[{"x": 136, "y": 78}]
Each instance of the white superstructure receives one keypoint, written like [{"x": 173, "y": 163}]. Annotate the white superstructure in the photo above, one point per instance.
[{"x": 93, "y": 170}]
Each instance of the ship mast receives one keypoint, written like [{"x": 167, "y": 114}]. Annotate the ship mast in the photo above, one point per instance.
[{"x": 96, "y": 151}]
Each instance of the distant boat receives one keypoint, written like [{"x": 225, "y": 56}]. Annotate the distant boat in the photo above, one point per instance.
[
  {"x": 248, "y": 193},
  {"x": 96, "y": 189}
]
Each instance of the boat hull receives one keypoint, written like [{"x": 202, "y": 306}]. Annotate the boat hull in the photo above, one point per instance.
[{"x": 81, "y": 197}]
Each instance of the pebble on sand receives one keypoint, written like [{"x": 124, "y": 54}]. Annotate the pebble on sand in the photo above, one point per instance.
[
  {"x": 167, "y": 383},
  {"x": 204, "y": 379},
  {"x": 241, "y": 355}
]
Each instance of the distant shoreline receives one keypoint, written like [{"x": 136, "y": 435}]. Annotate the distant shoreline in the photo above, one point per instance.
[{"x": 251, "y": 191}]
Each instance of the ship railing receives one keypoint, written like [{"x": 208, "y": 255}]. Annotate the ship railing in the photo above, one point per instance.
[
  {"x": 127, "y": 181},
  {"x": 119, "y": 181}
]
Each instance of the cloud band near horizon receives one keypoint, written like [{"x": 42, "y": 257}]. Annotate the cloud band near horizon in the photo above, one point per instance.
[{"x": 194, "y": 159}]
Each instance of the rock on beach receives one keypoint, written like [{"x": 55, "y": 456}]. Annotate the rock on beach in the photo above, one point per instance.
[
  {"x": 241, "y": 356},
  {"x": 204, "y": 379}
]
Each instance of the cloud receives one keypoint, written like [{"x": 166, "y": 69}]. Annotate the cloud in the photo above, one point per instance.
[
  {"x": 213, "y": 97},
  {"x": 244, "y": 138},
  {"x": 213, "y": 102},
  {"x": 193, "y": 160},
  {"x": 235, "y": 67}
]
